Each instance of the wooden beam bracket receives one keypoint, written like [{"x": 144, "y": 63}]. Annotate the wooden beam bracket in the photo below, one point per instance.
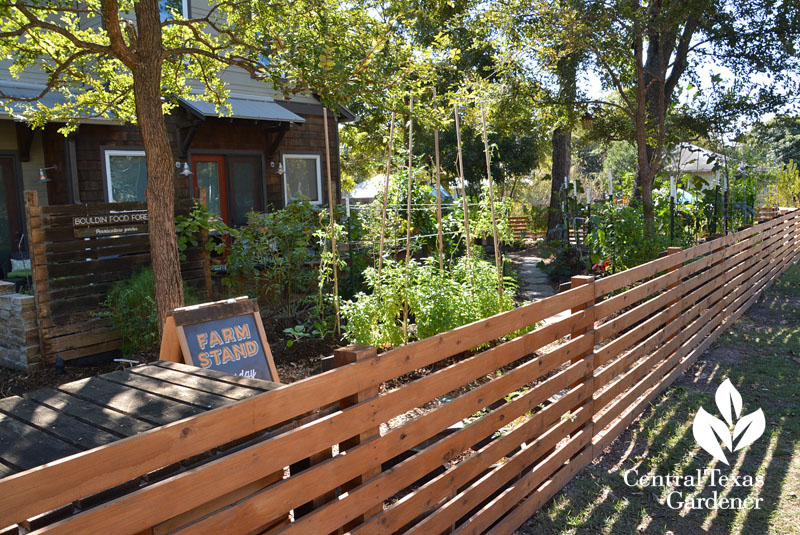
[{"x": 276, "y": 140}]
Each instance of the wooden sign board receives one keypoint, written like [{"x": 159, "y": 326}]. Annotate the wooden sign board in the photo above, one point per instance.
[
  {"x": 226, "y": 336},
  {"x": 94, "y": 232},
  {"x": 110, "y": 224}
]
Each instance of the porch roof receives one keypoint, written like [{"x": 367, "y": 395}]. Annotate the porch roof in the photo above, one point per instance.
[{"x": 245, "y": 107}]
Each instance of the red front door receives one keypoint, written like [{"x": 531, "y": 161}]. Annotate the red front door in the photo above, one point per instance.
[{"x": 209, "y": 174}]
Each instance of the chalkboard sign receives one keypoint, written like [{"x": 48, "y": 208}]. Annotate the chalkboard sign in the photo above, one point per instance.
[{"x": 225, "y": 336}]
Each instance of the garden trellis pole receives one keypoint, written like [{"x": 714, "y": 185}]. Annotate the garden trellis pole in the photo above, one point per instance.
[
  {"x": 385, "y": 198},
  {"x": 497, "y": 261},
  {"x": 465, "y": 201},
  {"x": 333, "y": 222},
  {"x": 408, "y": 210},
  {"x": 440, "y": 239}
]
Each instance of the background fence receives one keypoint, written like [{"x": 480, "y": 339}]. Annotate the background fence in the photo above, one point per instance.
[
  {"x": 467, "y": 432},
  {"x": 77, "y": 254}
]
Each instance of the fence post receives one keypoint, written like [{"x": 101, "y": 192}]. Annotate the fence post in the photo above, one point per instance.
[
  {"x": 342, "y": 357},
  {"x": 674, "y": 316},
  {"x": 588, "y": 355},
  {"x": 38, "y": 270},
  {"x": 575, "y": 282},
  {"x": 203, "y": 201}
]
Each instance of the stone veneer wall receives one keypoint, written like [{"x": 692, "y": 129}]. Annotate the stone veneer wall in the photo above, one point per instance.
[{"x": 19, "y": 331}]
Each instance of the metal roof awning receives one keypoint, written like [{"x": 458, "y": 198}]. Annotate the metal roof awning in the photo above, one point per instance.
[
  {"x": 15, "y": 89},
  {"x": 245, "y": 107}
]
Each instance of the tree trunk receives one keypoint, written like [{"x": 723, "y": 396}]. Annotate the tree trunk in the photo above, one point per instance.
[
  {"x": 567, "y": 73},
  {"x": 562, "y": 161},
  {"x": 160, "y": 167}
]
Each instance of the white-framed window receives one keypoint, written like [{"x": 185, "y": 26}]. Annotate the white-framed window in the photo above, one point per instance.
[
  {"x": 167, "y": 7},
  {"x": 126, "y": 175},
  {"x": 302, "y": 178}
]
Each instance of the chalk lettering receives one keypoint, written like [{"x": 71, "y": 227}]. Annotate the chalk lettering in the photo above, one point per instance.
[
  {"x": 227, "y": 335},
  {"x": 214, "y": 339},
  {"x": 227, "y": 356},
  {"x": 202, "y": 340},
  {"x": 242, "y": 331}
]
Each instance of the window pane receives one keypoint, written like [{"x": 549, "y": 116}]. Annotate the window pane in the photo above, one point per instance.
[
  {"x": 245, "y": 185},
  {"x": 128, "y": 175},
  {"x": 168, "y": 7},
  {"x": 208, "y": 179},
  {"x": 301, "y": 179}
]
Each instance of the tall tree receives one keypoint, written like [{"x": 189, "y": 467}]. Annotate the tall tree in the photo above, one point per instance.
[
  {"x": 644, "y": 50},
  {"x": 566, "y": 70},
  {"x": 132, "y": 59}
]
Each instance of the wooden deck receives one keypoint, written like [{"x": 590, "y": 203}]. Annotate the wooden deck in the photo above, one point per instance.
[{"x": 50, "y": 424}]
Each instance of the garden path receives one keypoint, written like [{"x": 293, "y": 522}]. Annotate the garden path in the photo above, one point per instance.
[{"x": 533, "y": 282}]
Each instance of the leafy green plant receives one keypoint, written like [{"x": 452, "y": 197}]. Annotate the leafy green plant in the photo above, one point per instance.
[
  {"x": 131, "y": 306},
  {"x": 618, "y": 236},
  {"x": 298, "y": 333},
  {"x": 787, "y": 186},
  {"x": 273, "y": 257},
  {"x": 437, "y": 300},
  {"x": 189, "y": 227}
]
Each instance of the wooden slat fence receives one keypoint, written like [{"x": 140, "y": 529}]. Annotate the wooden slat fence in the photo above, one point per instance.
[
  {"x": 479, "y": 426},
  {"x": 519, "y": 226},
  {"x": 73, "y": 271}
]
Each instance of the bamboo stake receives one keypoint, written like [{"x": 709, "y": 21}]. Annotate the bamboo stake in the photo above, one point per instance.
[
  {"x": 408, "y": 211},
  {"x": 333, "y": 223},
  {"x": 497, "y": 261},
  {"x": 465, "y": 202},
  {"x": 463, "y": 187},
  {"x": 385, "y": 198},
  {"x": 440, "y": 238}
]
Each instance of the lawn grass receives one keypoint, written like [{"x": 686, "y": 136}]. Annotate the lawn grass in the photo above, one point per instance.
[{"x": 760, "y": 354}]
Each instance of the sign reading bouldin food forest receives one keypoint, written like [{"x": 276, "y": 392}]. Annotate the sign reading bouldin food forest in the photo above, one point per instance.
[
  {"x": 226, "y": 336},
  {"x": 110, "y": 224}
]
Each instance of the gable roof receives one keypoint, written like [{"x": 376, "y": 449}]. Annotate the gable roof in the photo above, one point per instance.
[{"x": 690, "y": 158}]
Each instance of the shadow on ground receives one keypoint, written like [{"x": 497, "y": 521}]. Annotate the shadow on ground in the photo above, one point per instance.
[{"x": 761, "y": 356}]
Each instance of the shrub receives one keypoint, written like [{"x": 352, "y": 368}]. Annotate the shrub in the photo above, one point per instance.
[
  {"x": 568, "y": 261},
  {"x": 273, "y": 257},
  {"x": 131, "y": 305},
  {"x": 437, "y": 301},
  {"x": 618, "y": 235}
]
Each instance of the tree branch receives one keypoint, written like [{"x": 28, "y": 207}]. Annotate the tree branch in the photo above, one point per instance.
[
  {"x": 35, "y": 22},
  {"x": 112, "y": 25}
]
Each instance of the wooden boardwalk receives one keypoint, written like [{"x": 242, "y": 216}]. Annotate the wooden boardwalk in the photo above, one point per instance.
[{"x": 50, "y": 424}]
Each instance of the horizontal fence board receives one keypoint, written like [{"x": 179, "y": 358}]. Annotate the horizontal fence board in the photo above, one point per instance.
[
  {"x": 583, "y": 380},
  {"x": 383, "y": 486},
  {"x": 72, "y": 274},
  {"x": 402, "y": 512},
  {"x": 537, "y": 443},
  {"x": 136, "y": 456}
]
